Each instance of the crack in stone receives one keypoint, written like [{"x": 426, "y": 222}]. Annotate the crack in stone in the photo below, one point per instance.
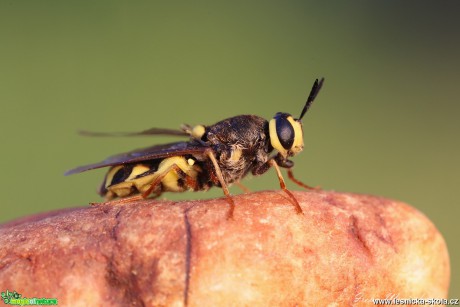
[
  {"x": 188, "y": 255},
  {"x": 117, "y": 224},
  {"x": 125, "y": 282},
  {"x": 354, "y": 229}
]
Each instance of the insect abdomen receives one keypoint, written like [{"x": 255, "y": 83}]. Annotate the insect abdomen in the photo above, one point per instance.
[{"x": 173, "y": 174}]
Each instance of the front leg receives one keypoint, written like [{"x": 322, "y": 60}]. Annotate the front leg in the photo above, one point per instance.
[
  {"x": 285, "y": 163},
  {"x": 265, "y": 167},
  {"x": 261, "y": 168}
]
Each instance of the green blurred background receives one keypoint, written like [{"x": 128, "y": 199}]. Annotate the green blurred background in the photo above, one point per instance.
[{"x": 386, "y": 123}]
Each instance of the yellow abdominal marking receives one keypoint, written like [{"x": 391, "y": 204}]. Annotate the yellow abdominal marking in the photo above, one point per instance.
[
  {"x": 110, "y": 174},
  {"x": 169, "y": 181},
  {"x": 137, "y": 170}
]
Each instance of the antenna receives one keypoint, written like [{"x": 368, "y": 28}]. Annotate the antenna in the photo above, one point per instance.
[{"x": 314, "y": 91}]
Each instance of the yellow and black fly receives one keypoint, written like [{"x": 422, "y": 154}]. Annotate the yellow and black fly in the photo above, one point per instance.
[{"x": 215, "y": 155}]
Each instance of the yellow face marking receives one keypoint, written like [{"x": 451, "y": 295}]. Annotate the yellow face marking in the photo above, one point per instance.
[
  {"x": 274, "y": 140},
  {"x": 297, "y": 146},
  {"x": 190, "y": 162},
  {"x": 198, "y": 131}
]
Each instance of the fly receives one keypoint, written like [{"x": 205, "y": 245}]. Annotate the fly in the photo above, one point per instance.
[{"x": 215, "y": 155}]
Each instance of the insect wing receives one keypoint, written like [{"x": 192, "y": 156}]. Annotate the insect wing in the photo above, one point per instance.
[
  {"x": 151, "y": 131},
  {"x": 149, "y": 153}
]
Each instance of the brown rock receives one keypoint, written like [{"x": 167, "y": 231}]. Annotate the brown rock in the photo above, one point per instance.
[{"x": 346, "y": 249}]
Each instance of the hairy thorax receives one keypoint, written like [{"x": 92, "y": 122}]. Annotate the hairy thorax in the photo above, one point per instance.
[{"x": 240, "y": 143}]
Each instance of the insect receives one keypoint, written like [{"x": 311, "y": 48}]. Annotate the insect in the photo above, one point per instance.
[{"x": 215, "y": 155}]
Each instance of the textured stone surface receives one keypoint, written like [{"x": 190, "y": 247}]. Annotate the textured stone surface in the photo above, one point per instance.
[{"x": 345, "y": 249}]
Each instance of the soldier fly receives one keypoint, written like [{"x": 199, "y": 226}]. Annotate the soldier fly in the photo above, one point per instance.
[{"x": 215, "y": 155}]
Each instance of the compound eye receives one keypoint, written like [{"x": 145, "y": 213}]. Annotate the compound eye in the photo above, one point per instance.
[{"x": 285, "y": 131}]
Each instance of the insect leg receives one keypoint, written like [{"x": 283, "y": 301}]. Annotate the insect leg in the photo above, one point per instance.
[
  {"x": 191, "y": 183},
  {"x": 120, "y": 201},
  {"x": 222, "y": 182},
  {"x": 283, "y": 186},
  {"x": 160, "y": 177},
  {"x": 242, "y": 187},
  {"x": 298, "y": 182}
]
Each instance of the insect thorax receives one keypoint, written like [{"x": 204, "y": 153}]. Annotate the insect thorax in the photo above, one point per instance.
[{"x": 239, "y": 143}]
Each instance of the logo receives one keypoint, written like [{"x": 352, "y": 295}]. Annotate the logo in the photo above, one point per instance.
[{"x": 14, "y": 298}]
